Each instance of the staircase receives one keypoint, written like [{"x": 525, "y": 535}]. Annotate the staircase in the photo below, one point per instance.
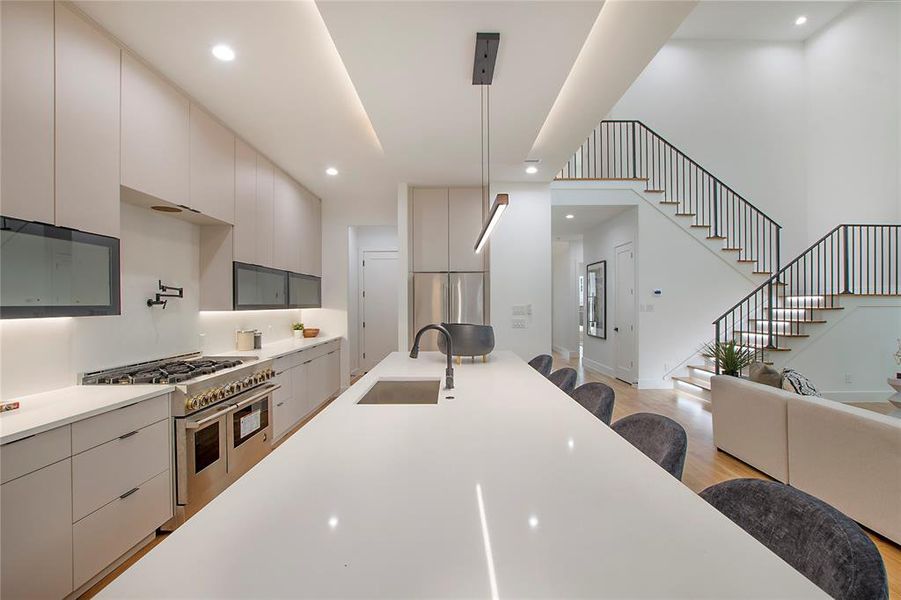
[
  {"x": 701, "y": 203},
  {"x": 790, "y": 301}
]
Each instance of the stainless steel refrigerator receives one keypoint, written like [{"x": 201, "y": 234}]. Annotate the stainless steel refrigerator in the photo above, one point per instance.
[{"x": 447, "y": 298}]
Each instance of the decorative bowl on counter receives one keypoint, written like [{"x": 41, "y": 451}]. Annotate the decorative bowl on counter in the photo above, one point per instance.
[
  {"x": 310, "y": 332},
  {"x": 468, "y": 339}
]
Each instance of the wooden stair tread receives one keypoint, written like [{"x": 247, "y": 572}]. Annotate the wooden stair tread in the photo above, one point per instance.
[
  {"x": 678, "y": 214},
  {"x": 765, "y": 273},
  {"x": 752, "y": 349},
  {"x": 790, "y": 320},
  {"x": 716, "y": 237},
  {"x": 731, "y": 249},
  {"x": 654, "y": 191},
  {"x": 669, "y": 202},
  {"x": 748, "y": 260},
  {"x": 695, "y": 381},
  {"x": 775, "y": 333},
  {"x": 700, "y": 225},
  {"x": 705, "y": 368}
]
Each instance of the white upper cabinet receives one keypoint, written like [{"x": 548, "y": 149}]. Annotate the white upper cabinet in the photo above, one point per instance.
[
  {"x": 245, "y": 203},
  {"x": 155, "y": 134},
  {"x": 264, "y": 222},
  {"x": 212, "y": 167},
  {"x": 87, "y": 126},
  {"x": 430, "y": 231},
  {"x": 465, "y": 218},
  {"x": 287, "y": 223},
  {"x": 310, "y": 234},
  {"x": 26, "y": 110}
]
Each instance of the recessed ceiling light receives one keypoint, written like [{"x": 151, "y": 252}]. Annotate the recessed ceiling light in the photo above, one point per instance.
[
  {"x": 331, "y": 171},
  {"x": 801, "y": 20},
  {"x": 223, "y": 52},
  {"x": 570, "y": 216},
  {"x": 531, "y": 169}
]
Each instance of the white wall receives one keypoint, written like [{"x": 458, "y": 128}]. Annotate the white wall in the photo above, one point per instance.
[
  {"x": 42, "y": 354},
  {"x": 853, "y": 74},
  {"x": 566, "y": 258},
  {"x": 850, "y": 357},
  {"x": 737, "y": 108},
  {"x": 520, "y": 259},
  {"x": 338, "y": 215},
  {"x": 600, "y": 244},
  {"x": 360, "y": 240}
]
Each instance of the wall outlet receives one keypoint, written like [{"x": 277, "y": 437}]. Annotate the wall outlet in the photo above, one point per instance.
[
  {"x": 522, "y": 309},
  {"x": 519, "y": 323}
]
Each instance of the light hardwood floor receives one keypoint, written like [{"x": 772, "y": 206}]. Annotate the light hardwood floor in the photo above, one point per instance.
[{"x": 704, "y": 464}]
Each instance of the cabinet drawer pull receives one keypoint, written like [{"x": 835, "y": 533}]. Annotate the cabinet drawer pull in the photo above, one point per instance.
[
  {"x": 128, "y": 493},
  {"x": 128, "y": 435}
]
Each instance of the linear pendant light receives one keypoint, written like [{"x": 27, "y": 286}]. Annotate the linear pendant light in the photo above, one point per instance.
[{"x": 483, "y": 75}]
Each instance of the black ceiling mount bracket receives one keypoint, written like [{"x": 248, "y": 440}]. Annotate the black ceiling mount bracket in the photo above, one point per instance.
[{"x": 486, "y": 54}]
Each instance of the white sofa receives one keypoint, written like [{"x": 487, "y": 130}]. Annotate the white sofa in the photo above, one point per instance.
[{"x": 847, "y": 456}]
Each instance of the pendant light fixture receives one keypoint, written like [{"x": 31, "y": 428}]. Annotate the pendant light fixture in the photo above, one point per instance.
[{"x": 482, "y": 75}]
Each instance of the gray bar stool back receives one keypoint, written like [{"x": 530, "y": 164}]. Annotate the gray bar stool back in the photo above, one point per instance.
[
  {"x": 598, "y": 398},
  {"x": 564, "y": 378},
  {"x": 660, "y": 438},
  {"x": 817, "y": 540},
  {"x": 542, "y": 363}
]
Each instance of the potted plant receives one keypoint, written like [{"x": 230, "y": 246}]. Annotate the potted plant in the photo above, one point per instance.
[
  {"x": 298, "y": 330},
  {"x": 731, "y": 358}
]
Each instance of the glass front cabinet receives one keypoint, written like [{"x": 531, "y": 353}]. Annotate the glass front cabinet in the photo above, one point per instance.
[{"x": 264, "y": 288}]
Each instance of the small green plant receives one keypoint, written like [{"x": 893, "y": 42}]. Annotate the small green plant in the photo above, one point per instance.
[
  {"x": 731, "y": 358},
  {"x": 297, "y": 326}
]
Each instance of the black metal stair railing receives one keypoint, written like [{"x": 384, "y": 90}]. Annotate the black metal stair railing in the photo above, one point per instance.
[
  {"x": 852, "y": 259},
  {"x": 631, "y": 150}
]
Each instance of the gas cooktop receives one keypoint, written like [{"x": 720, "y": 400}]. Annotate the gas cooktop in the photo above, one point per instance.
[{"x": 166, "y": 371}]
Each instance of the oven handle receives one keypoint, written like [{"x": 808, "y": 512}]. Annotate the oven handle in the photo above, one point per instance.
[
  {"x": 255, "y": 397},
  {"x": 213, "y": 417}
]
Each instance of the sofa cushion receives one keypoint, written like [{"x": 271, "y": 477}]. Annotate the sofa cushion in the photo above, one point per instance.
[
  {"x": 749, "y": 422},
  {"x": 849, "y": 457},
  {"x": 765, "y": 374},
  {"x": 792, "y": 381}
]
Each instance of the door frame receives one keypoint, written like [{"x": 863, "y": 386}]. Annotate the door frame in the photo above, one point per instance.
[
  {"x": 619, "y": 248},
  {"x": 361, "y": 316}
]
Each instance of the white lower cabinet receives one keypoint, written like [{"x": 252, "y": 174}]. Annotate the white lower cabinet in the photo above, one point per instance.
[
  {"x": 108, "y": 533},
  {"x": 75, "y": 499},
  {"x": 36, "y": 540},
  {"x": 307, "y": 378}
]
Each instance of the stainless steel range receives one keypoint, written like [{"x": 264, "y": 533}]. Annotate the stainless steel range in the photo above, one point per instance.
[{"x": 221, "y": 410}]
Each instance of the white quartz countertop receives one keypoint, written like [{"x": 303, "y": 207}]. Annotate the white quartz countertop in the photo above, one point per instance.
[
  {"x": 510, "y": 489},
  {"x": 283, "y": 347},
  {"x": 45, "y": 411}
]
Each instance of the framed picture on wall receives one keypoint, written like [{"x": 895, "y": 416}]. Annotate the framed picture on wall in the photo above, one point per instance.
[{"x": 596, "y": 285}]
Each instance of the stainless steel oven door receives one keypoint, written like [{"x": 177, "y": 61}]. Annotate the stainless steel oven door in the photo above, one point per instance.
[
  {"x": 250, "y": 430},
  {"x": 203, "y": 457}
]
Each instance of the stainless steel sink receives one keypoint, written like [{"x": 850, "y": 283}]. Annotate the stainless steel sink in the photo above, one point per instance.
[{"x": 408, "y": 391}]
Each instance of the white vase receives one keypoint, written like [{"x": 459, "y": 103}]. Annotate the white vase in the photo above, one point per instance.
[{"x": 298, "y": 334}]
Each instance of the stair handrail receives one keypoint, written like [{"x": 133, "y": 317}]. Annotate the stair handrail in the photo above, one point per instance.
[
  {"x": 629, "y": 149},
  {"x": 695, "y": 163},
  {"x": 844, "y": 238}
]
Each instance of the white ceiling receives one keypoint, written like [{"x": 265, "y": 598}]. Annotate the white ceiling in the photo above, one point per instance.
[
  {"x": 585, "y": 218},
  {"x": 286, "y": 92},
  {"x": 382, "y": 90},
  {"x": 411, "y": 63},
  {"x": 758, "y": 19}
]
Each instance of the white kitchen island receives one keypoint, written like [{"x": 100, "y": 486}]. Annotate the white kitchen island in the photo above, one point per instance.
[{"x": 510, "y": 489}]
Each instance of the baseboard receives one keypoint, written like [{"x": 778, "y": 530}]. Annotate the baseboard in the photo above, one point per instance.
[
  {"x": 564, "y": 351},
  {"x": 593, "y": 365},
  {"x": 862, "y": 396},
  {"x": 655, "y": 383}
]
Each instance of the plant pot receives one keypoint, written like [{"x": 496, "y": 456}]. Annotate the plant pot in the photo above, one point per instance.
[
  {"x": 310, "y": 333},
  {"x": 298, "y": 334}
]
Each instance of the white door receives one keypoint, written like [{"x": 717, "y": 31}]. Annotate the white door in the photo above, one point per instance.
[
  {"x": 378, "y": 314},
  {"x": 624, "y": 314}
]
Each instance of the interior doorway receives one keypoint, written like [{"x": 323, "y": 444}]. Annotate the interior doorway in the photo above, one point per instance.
[
  {"x": 624, "y": 313},
  {"x": 379, "y": 280}
]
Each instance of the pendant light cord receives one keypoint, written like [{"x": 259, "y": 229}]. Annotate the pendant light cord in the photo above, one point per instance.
[{"x": 485, "y": 138}]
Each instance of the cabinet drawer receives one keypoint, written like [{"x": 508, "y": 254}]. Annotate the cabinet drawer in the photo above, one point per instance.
[
  {"x": 102, "y": 473},
  {"x": 32, "y": 453},
  {"x": 109, "y": 426},
  {"x": 105, "y": 535},
  {"x": 289, "y": 361}
]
